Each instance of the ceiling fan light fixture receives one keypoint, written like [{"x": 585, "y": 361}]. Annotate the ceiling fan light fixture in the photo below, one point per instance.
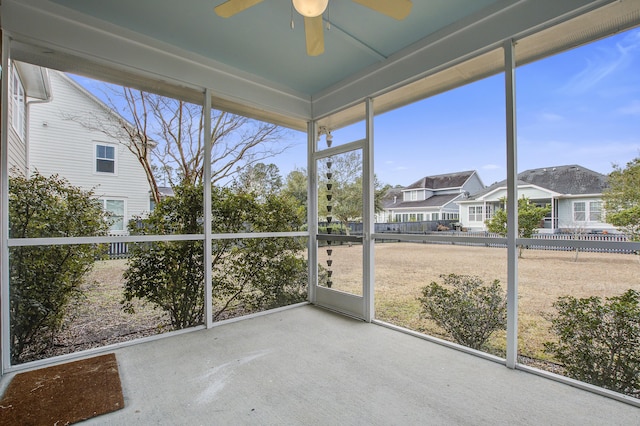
[{"x": 310, "y": 8}]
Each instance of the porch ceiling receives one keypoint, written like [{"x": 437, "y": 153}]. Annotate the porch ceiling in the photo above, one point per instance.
[{"x": 257, "y": 66}]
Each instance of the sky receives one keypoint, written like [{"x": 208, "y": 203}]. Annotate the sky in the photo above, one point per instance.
[{"x": 578, "y": 107}]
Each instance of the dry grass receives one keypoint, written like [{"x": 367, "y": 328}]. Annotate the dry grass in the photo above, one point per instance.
[
  {"x": 97, "y": 319},
  {"x": 403, "y": 269}
]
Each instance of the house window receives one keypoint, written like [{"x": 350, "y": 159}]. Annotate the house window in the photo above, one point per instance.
[
  {"x": 435, "y": 216},
  {"x": 105, "y": 159},
  {"x": 412, "y": 217},
  {"x": 420, "y": 217},
  {"x": 489, "y": 212},
  {"x": 595, "y": 211},
  {"x": 414, "y": 195},
  {"x": 587, "y": 211},
  {"x": 115, "y": 209},
  {"x": 18, "y": 105},
  {"x": 579, "y": 211},
  {"x": 475, "y": 213}
]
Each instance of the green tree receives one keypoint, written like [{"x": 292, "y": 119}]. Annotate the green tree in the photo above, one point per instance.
[
  {"x": 296, "y": 186},
  {"x": 261, "y": 179},
  {"x": 622, "y": 199},
  {"x": 248, "y": 274},
  {"x": 257, "y": 273},
  {"x": 599, "y": 343},
  {"x": 45, "y": 279},
  {"x": 529, "y": 218},
  {"x": 466, "y": 308},
  {"x": 170, "y": 274},
  {"x": 346, "y": 188}
]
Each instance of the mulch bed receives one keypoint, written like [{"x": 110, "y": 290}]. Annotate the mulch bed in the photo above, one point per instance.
[{"x": 63, "y": 394}]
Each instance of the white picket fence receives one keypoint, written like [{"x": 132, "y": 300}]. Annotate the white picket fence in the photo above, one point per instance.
[{"x": 558, "y": 237}]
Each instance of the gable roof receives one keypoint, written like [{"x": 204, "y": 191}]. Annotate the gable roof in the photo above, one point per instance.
[
  {"x": 434, "y": 201},
  {"x": 448, "y": 180},
  {"x": 392, "y": 197},
  {"x": 571, "y": 179},
  {"x": 35, "y": 80},
  {"x": 566, "y": 180}
]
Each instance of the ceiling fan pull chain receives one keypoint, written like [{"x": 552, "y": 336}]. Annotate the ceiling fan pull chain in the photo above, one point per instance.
[{"x": 328, "y": 18}]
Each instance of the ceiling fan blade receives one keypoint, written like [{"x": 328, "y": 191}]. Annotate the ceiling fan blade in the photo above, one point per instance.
[
  {"x": 314, "y": 33},
  {"x": 231, "y": 7},
  {"x": 398, "y": 9}
]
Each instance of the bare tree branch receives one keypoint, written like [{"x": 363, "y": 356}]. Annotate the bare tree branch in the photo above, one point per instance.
[{"x": 172, "y": 131}]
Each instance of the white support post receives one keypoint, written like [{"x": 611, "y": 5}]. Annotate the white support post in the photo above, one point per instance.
[
  {"x": 368, "y": 217},
  {"x": 208, "y": 288},
  {"x": 512, "y": 206},
  {"x": 5, "y": 343},
  {"x": 312, "y": 210}
]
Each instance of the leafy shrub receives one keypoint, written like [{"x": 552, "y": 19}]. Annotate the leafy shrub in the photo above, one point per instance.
[
  {"x": 247, "y": 274},
  {"x": 466, "y": 308},
  {"x": 169, "y": 274},
  {"x": 599, "y": 343},
  {"x": 45, "y": 279},
  {"x": 529, "y": 220}
]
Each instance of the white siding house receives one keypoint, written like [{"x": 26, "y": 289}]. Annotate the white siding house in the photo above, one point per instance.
[
  {"x": 573, "y": 192},
  {"x": 28, "y": 85},
  {"x": 431, "y": 198},
  {"x": 60, "y": 144}
]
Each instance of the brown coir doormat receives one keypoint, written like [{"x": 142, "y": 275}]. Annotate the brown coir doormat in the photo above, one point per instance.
[{"x": 63, "y": 394}]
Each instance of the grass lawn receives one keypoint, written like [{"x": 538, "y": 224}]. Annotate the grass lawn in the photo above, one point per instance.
[{"x": 403, "y": 269}]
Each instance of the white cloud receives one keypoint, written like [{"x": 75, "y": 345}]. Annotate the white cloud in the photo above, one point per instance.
[
  {"x": 632, "y": 108},
  {"x": 551, "y": 117},
  {"x": 610, "y": 149},
  {"x": 491, "y": 167},
  {"x": 596, "y": 156},
  {"x": 603, "y": 65}
]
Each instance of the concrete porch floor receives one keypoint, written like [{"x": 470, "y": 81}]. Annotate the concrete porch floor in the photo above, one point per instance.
[{"x": 308, "y": 366}]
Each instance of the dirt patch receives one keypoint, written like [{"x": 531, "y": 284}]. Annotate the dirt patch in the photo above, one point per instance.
[{"x": 97, "y": 318}]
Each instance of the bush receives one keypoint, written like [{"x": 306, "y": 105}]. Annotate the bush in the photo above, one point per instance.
[
  {"x": 599, "y": 343},
  {"x": 529, "y": 218},
  {"x": 247, "y": 274},
  {"x": 467, "y": 309},
  {"x": 45, "y": 279},
  {"x": 169, "y": 274}
]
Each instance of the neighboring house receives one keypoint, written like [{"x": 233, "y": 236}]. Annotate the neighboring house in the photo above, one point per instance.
[
  {"x": 429, "y": 199},
  {"x": 56, "y": 142},
  {"x": 573, "y": 192},
  {"x": 165, "y": 192}
]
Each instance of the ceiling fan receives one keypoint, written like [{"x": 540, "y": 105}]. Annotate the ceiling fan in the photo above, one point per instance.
[{"x": 312, "y": 11}]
